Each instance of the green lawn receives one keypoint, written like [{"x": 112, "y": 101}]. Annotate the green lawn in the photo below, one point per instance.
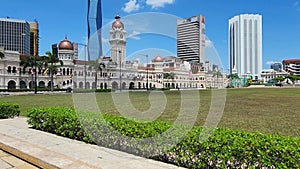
[{"x": 270, "y": 110}]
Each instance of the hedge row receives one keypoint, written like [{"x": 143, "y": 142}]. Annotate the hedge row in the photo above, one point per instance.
[
  {"x": 9, "y": 110},
  {"x": 225, "y": 148},
  {"x": 30, "y": 90},
  {"x": 91, "y": 90}
]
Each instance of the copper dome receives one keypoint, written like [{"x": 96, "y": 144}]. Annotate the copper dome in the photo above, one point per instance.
[
  {"x": 65, "y": 45},
  {"x": 117, "y": 23},
  {"x": 158, "y": 59}
]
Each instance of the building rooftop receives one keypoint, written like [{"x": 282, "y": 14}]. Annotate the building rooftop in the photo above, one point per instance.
[
  {"x": 13, "y": 20},
  {"x": 291, "y": 61}
]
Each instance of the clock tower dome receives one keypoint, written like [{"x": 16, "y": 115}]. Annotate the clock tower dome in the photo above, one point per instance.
[{"x": 118, "y": 42}]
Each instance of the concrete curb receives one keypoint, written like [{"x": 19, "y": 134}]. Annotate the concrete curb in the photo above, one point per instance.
[
  {"x": 47, "y": 150},
  {"x": 28, "y": 158},
  {"x": 39, "y": 156}
]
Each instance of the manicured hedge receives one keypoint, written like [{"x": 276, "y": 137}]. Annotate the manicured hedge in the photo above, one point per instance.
[
  {"x": 225, "y": 148},
  {"x": 30, "y": 90},
  {"x": 91, "y": 90},
  {"x": 9, "y": 110},
  {"x": 103, "y": 90},
  {"x": 58, "y": 120}
]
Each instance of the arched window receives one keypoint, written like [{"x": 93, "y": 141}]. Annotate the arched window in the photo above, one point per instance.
[
  {"x": 14, "y": 70},
  {"x": 8, "y": 69}
]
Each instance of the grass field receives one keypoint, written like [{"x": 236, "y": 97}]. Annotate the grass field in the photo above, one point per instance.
[{"x": 270, "y": 110}]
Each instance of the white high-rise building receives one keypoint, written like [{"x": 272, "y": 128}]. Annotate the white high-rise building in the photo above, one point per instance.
[
  {"x": 245, "y": 45},
  {"x": 191, "y": 39}
]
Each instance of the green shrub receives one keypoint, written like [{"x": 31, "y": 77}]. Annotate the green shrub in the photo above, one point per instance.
[
  {"x": 31, "y": 90},
  {"x": 9, "y": 110},
  {"x": 225, "y": 148},
  {"x": 58, "y": 120},
  {"x": 103, "y": 90}
]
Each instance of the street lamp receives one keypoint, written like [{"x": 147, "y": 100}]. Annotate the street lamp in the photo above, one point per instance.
[
  {"x": 147, "y": 69},
  {"x": 120, "y": 62},
  {"x": 35, "y": 76}
]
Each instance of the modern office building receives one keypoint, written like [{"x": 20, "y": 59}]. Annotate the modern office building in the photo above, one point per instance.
[
  {"x": 245, "y": 44},
  {"x": 276, "y": 66},
  {"x": 34, "y": 38},
  {"x": 94, "y": 21},
  {"x": 292, "y": 66},
  {"x": 191, "y": 39},
  {"x": 15, "y": 35}
]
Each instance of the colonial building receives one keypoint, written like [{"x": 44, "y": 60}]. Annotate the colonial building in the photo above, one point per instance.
[{"x": 114, "y": 72}]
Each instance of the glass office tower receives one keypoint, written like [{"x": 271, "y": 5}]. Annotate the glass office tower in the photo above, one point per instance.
[{"x": 94, "y": 18}]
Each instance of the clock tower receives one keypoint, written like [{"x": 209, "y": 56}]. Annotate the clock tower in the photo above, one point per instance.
[{"x": 118, "y": 42}]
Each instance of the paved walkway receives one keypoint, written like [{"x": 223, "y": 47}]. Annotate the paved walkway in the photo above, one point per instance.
[
  {"x": 8, "y": 161},
  {"x": 50, "y": 151}
]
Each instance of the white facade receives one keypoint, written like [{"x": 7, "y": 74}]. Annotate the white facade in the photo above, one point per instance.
[
  {"x": 191, "y": 39},
  {"x": 245, "y": 44},
  {"x": 118, "y": 42},
  {"x": 269, "y": 74}
]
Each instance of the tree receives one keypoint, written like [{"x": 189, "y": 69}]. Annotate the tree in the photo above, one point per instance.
[
  {"x": 51, "y": 65},
  {"x": 169, "y": 75},
  {"x": 279, "y": 79},
  {"x": 94, "y": 65},
  {"x": 293, "y": 78},
  {"x": 2, "y": 55},
  {"x": 234, "y": 76},
  {"x": 33, "y": 63},
  {"x": 217, "y": 73}
]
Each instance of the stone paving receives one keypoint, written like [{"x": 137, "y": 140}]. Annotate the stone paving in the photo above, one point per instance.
[
  {"x": 8, "y": 161},
  {"x": 51, "y": 151}
]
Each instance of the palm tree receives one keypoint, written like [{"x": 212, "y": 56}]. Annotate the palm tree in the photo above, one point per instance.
[
  {"x": 30, "y": 62},
  {"x": 169, "y": 75},
  {"x": 94, "y": 65},
  {"x": 50, "y": 64},
  {"x": 234, "y": 76}
]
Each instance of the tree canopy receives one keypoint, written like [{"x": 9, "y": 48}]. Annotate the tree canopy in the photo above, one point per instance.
[{"x": 1, "y": 55}]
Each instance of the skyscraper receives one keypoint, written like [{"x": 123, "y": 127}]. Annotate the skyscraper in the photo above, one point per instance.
[
  {"x": 34, "y": 38},
  {"x": 245, "y": 44},
  {"x": 15, "y": 35},
  {"x": 94, "y": 18},
  {"x": 191, "y": 39}
]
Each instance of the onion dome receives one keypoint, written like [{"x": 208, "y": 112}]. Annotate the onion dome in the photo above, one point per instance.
[
  {"x": 65, "y": 45},
  {"x": 158, "y": 59},
  {"x": 117, "y": 23}
]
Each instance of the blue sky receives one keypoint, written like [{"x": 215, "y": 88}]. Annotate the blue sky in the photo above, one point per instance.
[{"x": 281, "y": 23}]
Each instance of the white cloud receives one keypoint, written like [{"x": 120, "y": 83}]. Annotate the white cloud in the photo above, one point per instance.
[
  {"x": 271, "y": 62},
  {"x": 159, "y": 3},
  {"x": 296, "y": 5},
  {"x": 134, "y": 35},
  {"x": 131, "y": 5}
]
